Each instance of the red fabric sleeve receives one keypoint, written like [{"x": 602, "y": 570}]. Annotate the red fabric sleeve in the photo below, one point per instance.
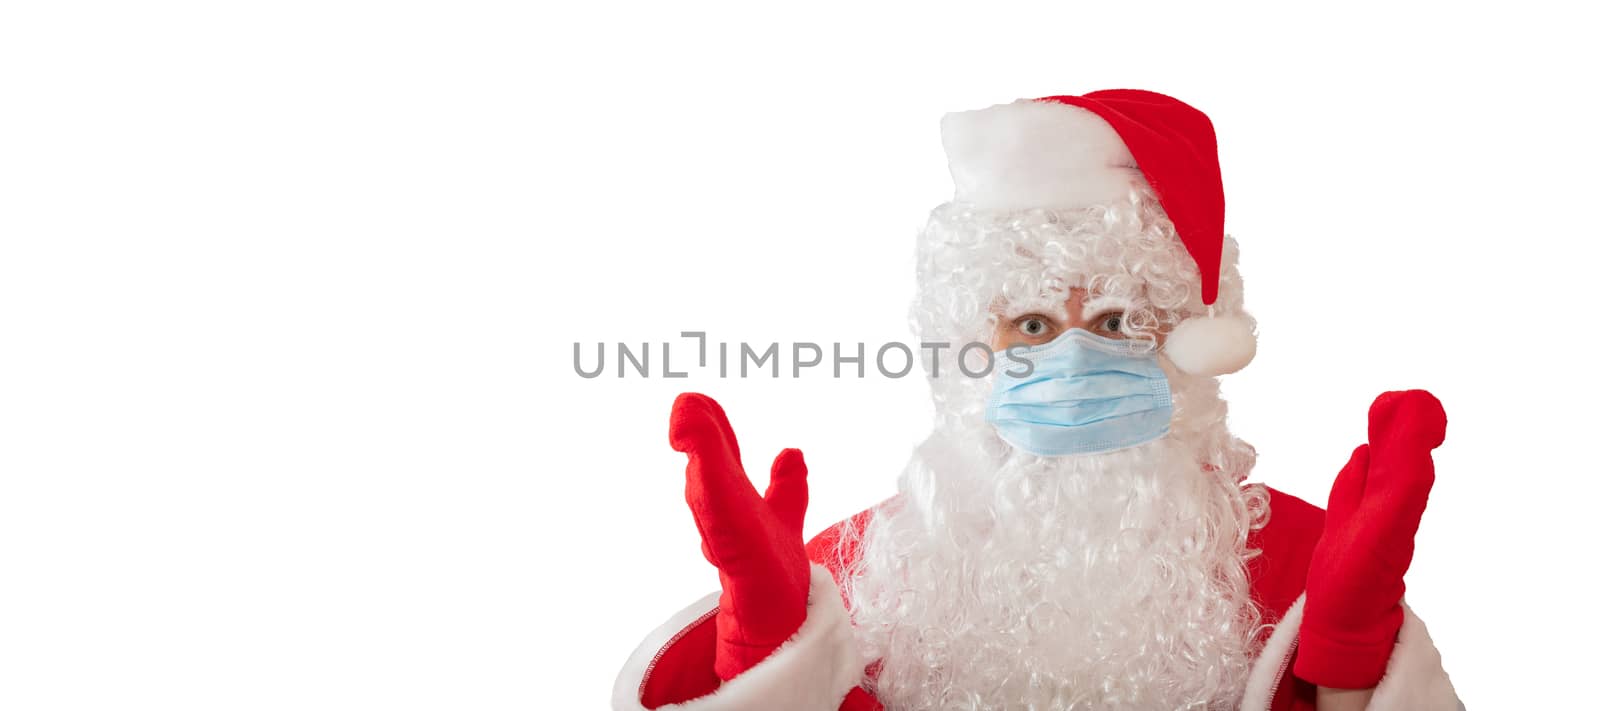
[
  {"x": 1278, "y": 573},
  {"x": 683, "y": 670},
  {"x": 837, "y": 548},
  {"x": 1278, "y": 577},
  {"x": 1295, "y": 694}
]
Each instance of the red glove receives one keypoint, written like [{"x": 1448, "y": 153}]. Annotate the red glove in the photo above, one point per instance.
[
  {"x": 1353, "y": 589},
  {"x": 754, "y": 542}
]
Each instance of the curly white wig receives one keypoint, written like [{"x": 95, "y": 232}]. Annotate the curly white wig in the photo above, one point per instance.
[{"x": 999, "y": 579}]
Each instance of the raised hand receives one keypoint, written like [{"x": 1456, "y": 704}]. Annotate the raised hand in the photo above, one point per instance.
[
  {"x": 754, "y": 541},
  {"x": 1353, "y": 590}
]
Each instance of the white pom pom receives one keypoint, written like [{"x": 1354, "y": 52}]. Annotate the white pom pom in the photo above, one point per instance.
[{"x": 1212, "y": 345}]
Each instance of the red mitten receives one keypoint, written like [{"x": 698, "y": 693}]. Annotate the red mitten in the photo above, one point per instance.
[
  {"x": 1353, "y": 589},
  {"x": 755, "y": 542}
]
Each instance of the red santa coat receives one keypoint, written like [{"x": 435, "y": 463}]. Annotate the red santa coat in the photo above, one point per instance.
[{"x": 814, "y": 670}]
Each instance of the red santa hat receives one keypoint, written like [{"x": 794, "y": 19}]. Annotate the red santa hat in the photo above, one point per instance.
[{"x": 1064, "y": 152}]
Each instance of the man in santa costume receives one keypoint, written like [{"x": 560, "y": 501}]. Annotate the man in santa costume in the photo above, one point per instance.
[{"x": 1076, "y": 532}]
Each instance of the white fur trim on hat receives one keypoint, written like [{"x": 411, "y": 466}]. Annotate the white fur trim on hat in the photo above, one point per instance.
[
  {"x": 1036, "y": 154},
  {"x": 1212, "y": 345}
]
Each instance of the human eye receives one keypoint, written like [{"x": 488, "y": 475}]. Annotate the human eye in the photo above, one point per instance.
[
  {"x": 1112, "y": 323},
  {"x": 1035, "y": 327}
]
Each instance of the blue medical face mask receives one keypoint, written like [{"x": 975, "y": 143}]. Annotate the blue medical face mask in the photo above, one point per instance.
[{"x": 1084, "y": 394}]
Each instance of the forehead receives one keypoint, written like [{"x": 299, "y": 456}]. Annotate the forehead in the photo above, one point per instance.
[{"x": 1065, "y": 303}]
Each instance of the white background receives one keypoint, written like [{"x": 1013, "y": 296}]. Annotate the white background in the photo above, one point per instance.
[{"x": 288, "y": 294}]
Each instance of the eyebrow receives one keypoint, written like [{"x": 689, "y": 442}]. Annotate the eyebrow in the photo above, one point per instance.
[
  {"x": 1051, "y": 305},
  {"x": 1099, "y": 305}
]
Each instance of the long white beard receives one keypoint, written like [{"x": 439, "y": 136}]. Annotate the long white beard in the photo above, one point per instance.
[{"x": 1003, "y": 580}]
